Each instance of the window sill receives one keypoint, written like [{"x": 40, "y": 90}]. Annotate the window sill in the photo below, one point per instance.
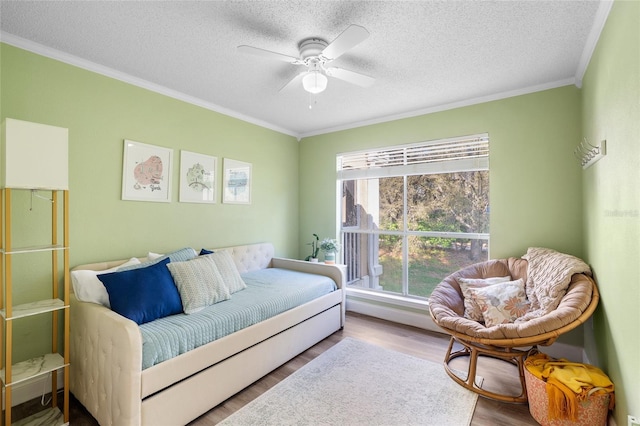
[
  {"x": 391, "y": 307},
  {"x": 391, "y": 299}
]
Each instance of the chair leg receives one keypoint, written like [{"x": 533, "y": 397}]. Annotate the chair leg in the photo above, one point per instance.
[{"x": 473, "y": 351}]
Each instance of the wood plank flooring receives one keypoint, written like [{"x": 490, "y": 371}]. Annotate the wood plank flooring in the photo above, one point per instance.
[{"x": 499, "y": 376}]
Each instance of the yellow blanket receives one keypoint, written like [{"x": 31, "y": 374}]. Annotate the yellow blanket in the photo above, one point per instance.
[{"x": 568, "y": 383}]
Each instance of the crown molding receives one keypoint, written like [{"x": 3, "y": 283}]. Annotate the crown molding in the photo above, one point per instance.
[
  {"x": 49, "y": 52},
  {"x": 592, "y": 39},
  {"x": 445, "y": 107},
  {"x": 599, "y": 21}
]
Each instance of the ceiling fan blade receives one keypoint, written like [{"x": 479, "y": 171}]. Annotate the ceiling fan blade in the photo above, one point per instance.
[
  {"x": 295, "y": 81},
  {"x": 351, "y": 77},
  {"x": 348, "y": 39},
  {"x": 267, "y": 54}
]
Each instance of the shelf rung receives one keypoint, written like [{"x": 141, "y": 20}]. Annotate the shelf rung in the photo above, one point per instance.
[
  {"x": 48, "y": 417},
  {"x": 33, "y": 368},
  {"x": 34, "y": 308},
  {"x": 33, "y": 249}
]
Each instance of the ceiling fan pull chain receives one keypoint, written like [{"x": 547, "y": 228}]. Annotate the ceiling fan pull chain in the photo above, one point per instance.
[{"x": 313, "y": 100}]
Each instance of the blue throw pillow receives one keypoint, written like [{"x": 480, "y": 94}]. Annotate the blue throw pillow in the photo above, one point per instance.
[
  {"x": 143, "y": 294},
  {"x": 204, "y": 251}
]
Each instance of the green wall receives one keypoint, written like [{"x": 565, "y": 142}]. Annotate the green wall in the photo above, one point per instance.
[
  {"x": 100, "y": 113},
  {"x": 535, "y": 180},
  {"x": 540, "y": 196},
  {"x": 611, "y": 111}
]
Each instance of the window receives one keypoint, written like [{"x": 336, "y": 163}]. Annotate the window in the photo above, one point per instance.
[{"x": 413, "y": 214}]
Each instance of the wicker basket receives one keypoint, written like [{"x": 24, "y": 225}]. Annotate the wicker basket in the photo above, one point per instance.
[{"x": 592, "y": 411}]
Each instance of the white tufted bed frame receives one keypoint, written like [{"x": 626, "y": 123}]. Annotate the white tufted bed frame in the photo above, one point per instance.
[{"x": 106, "y": 352}]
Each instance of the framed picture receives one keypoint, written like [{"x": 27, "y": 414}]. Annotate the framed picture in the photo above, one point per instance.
[
  {"x": 146, "y": 172},
  {"x": 197, "y": 178},
  {"x": 237, "y": 182}
]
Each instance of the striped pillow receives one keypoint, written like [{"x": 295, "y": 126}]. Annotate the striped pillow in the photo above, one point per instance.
[
  {"x": 228, "y": 270},
  {"x": 199, "y": 283}
]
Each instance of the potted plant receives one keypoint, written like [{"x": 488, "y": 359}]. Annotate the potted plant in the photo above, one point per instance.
[
  {"x": 313, "y": 257},
  {"x": 329, "y": 247}
]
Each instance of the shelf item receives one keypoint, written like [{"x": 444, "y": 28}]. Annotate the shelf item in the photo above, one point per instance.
[
  {"x": 34, "y": 308},
  {"x": 33, "y": 249},
  {"x": 33, "y": 368},
  {"x": 36, "y": 155},
  {"x": 49, "y": 417},
  {"x": 34, "y": 158}
]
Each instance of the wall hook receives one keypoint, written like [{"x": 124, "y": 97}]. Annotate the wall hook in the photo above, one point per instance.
[{"x": 587, "y": 154}]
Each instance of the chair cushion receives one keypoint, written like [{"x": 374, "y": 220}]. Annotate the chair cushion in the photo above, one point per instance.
[{"x": 446, "y": 303}]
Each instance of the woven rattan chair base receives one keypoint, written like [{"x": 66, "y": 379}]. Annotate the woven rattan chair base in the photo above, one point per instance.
[
  {"x": 474, "y": 351},
  {"x": 512, "y": 350}
]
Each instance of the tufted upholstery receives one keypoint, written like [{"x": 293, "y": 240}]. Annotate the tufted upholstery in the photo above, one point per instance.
[
  {"x": 106, "y": 352},
  {"x": 251, "y": 257},
  {"x": 248, "y": 258}
]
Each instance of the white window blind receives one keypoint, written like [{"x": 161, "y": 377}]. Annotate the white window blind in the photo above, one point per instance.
[{"x": 440, "y": 156}]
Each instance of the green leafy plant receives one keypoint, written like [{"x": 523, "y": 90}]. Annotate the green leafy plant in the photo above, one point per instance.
[
  {"x": 314, "y": 248},
  {"x": 329, "y": 244}
]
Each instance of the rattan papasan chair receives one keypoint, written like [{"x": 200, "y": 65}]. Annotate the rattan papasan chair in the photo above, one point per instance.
[{"x": 559, "y": 295}]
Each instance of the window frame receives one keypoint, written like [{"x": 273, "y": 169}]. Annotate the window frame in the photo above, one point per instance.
[{"x": 405, "y": 168}]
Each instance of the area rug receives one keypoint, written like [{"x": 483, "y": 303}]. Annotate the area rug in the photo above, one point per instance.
[{"x": 358, "y": 383}]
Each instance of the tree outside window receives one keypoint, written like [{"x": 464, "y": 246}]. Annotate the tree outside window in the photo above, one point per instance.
[{"x": 403, "y": 234}]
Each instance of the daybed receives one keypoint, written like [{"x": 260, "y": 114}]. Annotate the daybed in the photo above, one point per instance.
[
  {"x": 558, "y": 295},
  {"x": 107, "y": 376}
]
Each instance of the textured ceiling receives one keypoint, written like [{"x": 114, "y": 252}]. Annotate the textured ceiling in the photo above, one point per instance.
[{"x": 425, "y": 55}]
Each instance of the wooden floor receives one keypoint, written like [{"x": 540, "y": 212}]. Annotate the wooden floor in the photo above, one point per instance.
[{"x": 498, "y": 375}]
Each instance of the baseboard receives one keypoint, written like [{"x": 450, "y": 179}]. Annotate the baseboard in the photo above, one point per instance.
[
  {"x": 394, "y": 314},
  {"x": 563, "y": 350},
  {"x": 33, "y": 389},
  {"x": 423, "y": 320}
]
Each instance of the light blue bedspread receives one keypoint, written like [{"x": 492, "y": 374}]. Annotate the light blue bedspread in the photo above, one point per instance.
[{"x": 269, "y": 292}]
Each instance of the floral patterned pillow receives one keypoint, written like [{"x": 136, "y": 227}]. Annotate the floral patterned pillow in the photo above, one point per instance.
[
  {"x": 471, "y": 309},
  {"x": 501, "y": 303}
]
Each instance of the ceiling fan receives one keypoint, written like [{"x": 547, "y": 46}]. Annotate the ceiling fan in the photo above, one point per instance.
[{"x": 315, "y": 55}]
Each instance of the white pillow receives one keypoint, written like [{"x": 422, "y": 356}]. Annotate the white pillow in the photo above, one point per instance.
[
  {"x": 501, "y": 303},
  {"x": 199, "y": 283},
  {"x": 153, "y": 256},
  {"x": 471, "y": 309},
  {"x": 88, "y": 288}
]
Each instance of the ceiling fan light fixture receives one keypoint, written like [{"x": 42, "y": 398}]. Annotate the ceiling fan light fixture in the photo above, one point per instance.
[{"x": 314, "y": 82}]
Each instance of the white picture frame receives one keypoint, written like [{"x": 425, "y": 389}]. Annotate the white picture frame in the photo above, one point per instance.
[
  {"x": 197, "y": 178},
  {"x": 146, "y": 172},
  {"x": 237, "y": 182}
]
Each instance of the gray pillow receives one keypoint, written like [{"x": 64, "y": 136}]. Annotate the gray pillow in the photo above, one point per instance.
[
  {"x": 228, "y": 270},
  {"x": 199, "y": 283}
]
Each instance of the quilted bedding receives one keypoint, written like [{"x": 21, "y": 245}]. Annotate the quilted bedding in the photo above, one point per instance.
[{"x": 269, "y": 292}]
